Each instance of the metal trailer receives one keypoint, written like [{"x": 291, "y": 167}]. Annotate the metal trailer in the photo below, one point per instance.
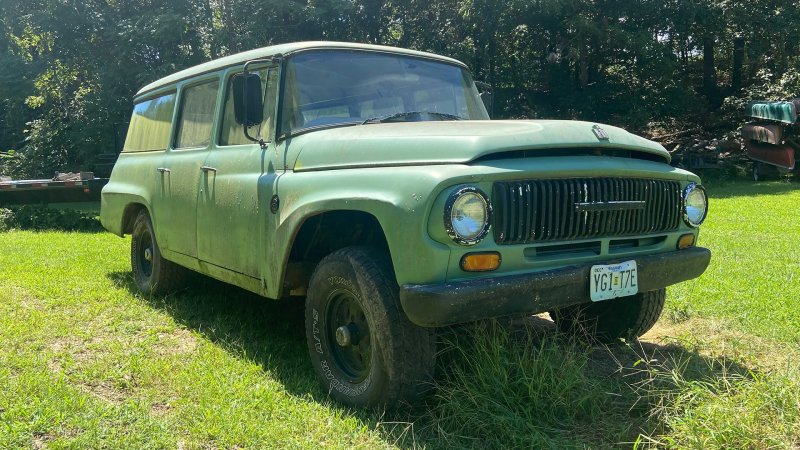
[
  {"x": 65, "y": 190},
  {"x": 772, "y": 138}
]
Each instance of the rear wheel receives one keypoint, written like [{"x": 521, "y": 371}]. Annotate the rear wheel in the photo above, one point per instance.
[
  {"x": 610, "y": 320},
  {"x": 152, "y": 273},
  {"x": 364, "y": 349}
]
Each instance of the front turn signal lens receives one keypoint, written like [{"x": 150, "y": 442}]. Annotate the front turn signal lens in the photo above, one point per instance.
[
  {"x": 685, "y": 241},
  {"x": 480, "y": 262}
]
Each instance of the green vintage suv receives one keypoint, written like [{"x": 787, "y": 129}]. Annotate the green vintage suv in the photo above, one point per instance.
[{"x": 369, "y": 182}]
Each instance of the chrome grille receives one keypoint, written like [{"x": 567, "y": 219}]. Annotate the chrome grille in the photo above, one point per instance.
[{"x": 547, "y": 210}]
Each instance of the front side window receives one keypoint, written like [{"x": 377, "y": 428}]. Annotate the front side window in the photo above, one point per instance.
[
  {"x": 335, "y": 87},
  {"x": 150, "y": 124},
  {"x": 197, "y": 115},
  {"x": 231, "y": 132}
]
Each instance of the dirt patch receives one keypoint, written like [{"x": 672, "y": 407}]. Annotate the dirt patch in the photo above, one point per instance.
[
  {"x": 178, "y": 342},
  {"x": 104, "y": 391},
  {"x": 70, "y": 351},
  {"x": 40, "y": 440},
  {"x": 160, "y": 409}
]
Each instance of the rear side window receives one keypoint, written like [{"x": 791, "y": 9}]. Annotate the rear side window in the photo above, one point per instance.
[
  {"x": 150, "y": 124},
  {"x": 197, "y": 115},
  {"x": 231, "y": 133}
]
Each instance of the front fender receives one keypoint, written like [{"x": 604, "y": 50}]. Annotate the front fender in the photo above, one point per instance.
[{"x": 399, "y": 200}]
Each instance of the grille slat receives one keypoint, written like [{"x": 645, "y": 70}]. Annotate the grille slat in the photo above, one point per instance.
[
  {"x": 512, "y": 218},
  {"x": 662, "y": 203},
  {"x": 501, "y": 203},
  {"x": 544, "y": 210},
  {"x": 619, "y": 185},
  {"x": 570, "y": 188},
  {"x": 551, "y": 206},
  {"x": 677, "y": 194}
]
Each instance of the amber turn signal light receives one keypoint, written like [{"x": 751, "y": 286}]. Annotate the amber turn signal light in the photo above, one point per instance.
[
  {"x": 686, "y": 241},
  {"x": 480, "y": 262}
]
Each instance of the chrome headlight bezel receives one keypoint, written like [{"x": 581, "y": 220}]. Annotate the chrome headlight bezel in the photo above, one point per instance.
[
  {"x": 448, "y": 211},
  {"x": 690, "y": 189}
]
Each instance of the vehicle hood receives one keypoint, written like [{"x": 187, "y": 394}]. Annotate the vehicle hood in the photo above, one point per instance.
[{"x": 449, "y": 142}]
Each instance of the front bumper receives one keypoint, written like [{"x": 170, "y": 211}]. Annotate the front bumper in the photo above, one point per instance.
[{"x": 434, "y": 305}]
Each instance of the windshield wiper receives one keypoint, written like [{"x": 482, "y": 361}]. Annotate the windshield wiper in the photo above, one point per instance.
[
  {"x": 325, "y": 126},
  {"x": 403, "y": 115}
]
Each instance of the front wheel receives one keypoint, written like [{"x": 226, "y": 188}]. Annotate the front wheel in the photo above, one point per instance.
[
  {"x": 364, "y": 350},
  {"x": 611, "y": 320}
]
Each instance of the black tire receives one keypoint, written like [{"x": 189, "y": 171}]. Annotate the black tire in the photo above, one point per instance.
[
  {"x": 152, "y": 273},
  {"x": 365, "y": 351},
  {"x": 611, "y": 320}
]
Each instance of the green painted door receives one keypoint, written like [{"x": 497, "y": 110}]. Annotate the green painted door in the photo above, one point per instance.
[
  {"x": 182, "y": 168},
  {"x": 233, "y": 215}
]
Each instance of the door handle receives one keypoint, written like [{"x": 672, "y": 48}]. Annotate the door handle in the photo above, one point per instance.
[
  {"x": 208, "y": 169},
  {"x": 163, "y": 169}
]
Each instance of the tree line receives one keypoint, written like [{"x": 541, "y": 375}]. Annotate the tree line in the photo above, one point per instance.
[{"x": 69, "y": 68}]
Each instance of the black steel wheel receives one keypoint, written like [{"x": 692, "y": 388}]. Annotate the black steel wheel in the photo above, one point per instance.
[
  {"x": 611, "y": 320},
  {"x": 365, "y": 351},
  {"x": 152, "y": 273},
  {"x": 347, "y": 325}
]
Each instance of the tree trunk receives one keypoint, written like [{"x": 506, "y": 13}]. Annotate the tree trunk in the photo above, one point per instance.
[
  {"x": 738, "y": 62},
  {"x": 709, "y": 70}
]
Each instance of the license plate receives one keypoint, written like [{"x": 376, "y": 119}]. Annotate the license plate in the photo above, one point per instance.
[{"x": 613, "y": 280}]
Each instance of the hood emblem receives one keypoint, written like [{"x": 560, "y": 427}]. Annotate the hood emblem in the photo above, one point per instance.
[{"x": 600, "y": 133}]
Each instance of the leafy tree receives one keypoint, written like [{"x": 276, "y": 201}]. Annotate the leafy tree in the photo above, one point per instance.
[{"x": 69, "y": 68}]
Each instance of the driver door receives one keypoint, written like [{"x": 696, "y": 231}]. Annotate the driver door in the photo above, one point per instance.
[{"x": 233, "y": 213}]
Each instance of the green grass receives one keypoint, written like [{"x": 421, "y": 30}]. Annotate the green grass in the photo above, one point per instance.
[
  {"x": 753, "y": 231},
  {"x": 86, "y": 362}
]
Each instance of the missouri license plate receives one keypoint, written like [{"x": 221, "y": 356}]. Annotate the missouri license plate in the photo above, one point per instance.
[{"x": 613, "y": 280}]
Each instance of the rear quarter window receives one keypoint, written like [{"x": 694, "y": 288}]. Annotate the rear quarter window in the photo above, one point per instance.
[{"x": 150, "y": 124}]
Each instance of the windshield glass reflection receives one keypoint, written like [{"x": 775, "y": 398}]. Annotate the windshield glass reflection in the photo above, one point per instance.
[{"x": 329, "y": 88}]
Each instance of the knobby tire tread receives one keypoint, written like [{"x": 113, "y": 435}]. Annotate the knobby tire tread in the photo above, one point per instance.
[{"x": 409, "y": 362}]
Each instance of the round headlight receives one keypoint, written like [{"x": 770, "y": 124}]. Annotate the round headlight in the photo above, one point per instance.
[
  {"x": 466, "y": 215},
  {"x": 695, "y": 205}
]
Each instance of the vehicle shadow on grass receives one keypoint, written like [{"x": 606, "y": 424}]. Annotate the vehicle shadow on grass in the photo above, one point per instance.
[
  {"x": 267, "y": 332},
  {"x": 641, "y": 378},
  {"x": 270, "y": 333}
]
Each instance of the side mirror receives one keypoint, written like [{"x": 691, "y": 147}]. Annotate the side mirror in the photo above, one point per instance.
[
  {"x": 487, "y": 96},
  {"x": 248, "y": 109}
]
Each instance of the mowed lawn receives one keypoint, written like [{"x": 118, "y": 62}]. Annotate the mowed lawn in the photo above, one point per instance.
[{"x": 86, "y": 362}]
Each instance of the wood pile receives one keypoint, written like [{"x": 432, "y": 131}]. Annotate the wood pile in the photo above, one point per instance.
[{"x": 695, "y": 149}]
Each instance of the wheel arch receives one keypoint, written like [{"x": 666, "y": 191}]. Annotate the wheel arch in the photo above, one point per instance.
[
  {"x": 321, "y": 234},
  {"x": 129, "y": 215}
]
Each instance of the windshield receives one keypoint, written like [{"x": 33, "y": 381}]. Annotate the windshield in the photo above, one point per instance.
[{"x": 328, "y": 88}]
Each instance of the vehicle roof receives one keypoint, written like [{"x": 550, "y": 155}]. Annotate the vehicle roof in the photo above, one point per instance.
[{"x": 283, "y": 49}]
